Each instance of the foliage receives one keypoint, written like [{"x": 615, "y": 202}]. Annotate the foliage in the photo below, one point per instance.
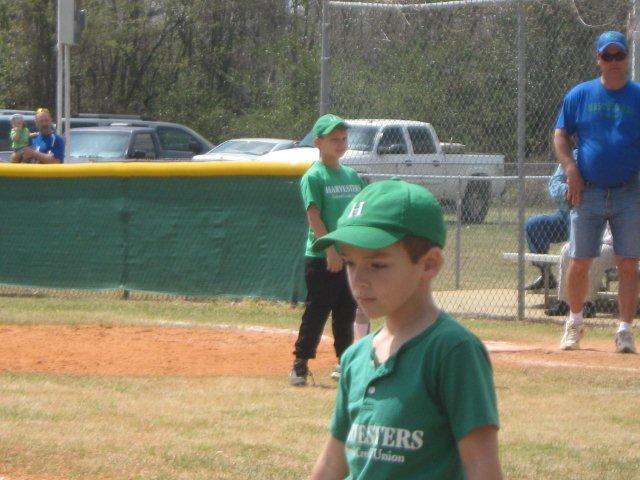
[
  {"x": 224, "y": 68},
  {"x": 252, "y": 68}
]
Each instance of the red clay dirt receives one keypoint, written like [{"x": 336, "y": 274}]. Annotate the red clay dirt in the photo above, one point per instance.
[
  {"x": 124, "y": 351},
  {"x": 197, "y": 351}
]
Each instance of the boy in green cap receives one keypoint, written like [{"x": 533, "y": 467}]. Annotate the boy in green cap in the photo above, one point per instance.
[
  {"x": 327, "y": 188},
  {"x": 416, "y": 399}
]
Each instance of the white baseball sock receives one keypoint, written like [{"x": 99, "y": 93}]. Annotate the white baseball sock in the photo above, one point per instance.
[
  {"x": 624, "y": 326},
  {"x": 575, "y": 318}
]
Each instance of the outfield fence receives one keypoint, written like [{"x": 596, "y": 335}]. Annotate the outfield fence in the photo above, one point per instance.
[
  {"x": 204, "y": 230},
  {"x": 480, "y": 276},
  {"x": 225, "y": 230}
]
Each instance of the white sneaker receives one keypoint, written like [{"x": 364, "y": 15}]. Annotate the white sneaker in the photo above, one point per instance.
[
  {"x": 573, "y": 333},
  {"x": 625, "y": 342},
  {"x": 299, "y": 373},
  {"x": 335, "y": 374},
  {"x": 297, "y": 380}
]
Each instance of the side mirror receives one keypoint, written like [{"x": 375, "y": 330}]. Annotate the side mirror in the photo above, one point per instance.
[
  {"x": 394, "y": 149},
  {"x": 140, "y": 155}
]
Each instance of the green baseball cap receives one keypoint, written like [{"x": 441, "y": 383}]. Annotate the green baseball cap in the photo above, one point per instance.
[
  {"x": 326, "y": 123},
  {"x": 385, "y": 212}
]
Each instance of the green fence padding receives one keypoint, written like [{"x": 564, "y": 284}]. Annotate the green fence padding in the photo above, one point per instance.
[{"x": 203, "y": 236}]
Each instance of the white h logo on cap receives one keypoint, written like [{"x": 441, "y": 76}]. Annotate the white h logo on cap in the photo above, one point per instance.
[{"x": 356, "y": 209}]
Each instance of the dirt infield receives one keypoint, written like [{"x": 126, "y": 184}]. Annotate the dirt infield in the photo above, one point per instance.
[
  {"x": 103, "y": 350},
  {"x": 187, "y": 351}
]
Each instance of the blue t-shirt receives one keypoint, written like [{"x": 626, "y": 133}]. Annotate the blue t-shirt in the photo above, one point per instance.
[
  {"x": 50, "y": 143},
  {"x": 607, "y": 124}
]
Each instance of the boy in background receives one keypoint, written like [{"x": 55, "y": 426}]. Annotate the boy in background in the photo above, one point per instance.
[
  {"x": 327, "y": 188},
  {"x": 416, "y": 399}
]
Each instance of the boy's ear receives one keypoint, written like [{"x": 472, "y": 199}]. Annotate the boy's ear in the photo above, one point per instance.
[
  {"x": 432, "y": 262},
  {"x": 316, "y": 142}
]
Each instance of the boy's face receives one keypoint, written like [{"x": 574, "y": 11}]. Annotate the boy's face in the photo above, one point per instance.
[
  {"x": 333, "y": 145},
  {"x": 385, "y": 282}
]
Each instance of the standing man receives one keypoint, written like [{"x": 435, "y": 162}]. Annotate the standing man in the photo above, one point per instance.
[
  {"x": 47, "y": 146},
  {"x": 604, "y": 117}
]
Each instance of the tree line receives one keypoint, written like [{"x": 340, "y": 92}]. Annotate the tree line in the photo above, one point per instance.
[
  {"x": 252, "y": 67},
  {"x": 226, "y": 68}
]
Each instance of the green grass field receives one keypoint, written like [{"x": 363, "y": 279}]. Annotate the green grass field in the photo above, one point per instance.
[
  {"x": 557, "y": 423},
  {"x": 481, "y": 248}
]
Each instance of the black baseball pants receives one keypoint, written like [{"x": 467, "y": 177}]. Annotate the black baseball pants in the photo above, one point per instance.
[{"x": 327, "y": 293}]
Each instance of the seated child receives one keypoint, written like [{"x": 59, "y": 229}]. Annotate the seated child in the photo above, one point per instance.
[{"x": 19, "y": 137}]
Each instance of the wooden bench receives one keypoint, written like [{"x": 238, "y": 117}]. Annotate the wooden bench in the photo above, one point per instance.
[{"x": 546, "y": 261}]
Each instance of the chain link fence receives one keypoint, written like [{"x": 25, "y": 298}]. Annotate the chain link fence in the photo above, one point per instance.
[
  {"x": 474, "y": 88},
  {"x": 480, "y": 277},
  {"x": 488, "y": 77}
]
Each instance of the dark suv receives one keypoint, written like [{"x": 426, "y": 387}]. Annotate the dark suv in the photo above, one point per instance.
[{"x": 117, "y": 143}]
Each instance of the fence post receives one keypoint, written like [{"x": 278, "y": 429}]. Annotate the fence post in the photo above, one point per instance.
[
  {"x": 521, "y": 132},
  {"x": 125, "y": 219},
  {"x": 635, "y": 40},
  {"x": 324, "y": 60},
  {"x": 458, "y": 234}
]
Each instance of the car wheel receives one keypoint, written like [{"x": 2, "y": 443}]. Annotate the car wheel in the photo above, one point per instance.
[{"x": 475, "y": 203}]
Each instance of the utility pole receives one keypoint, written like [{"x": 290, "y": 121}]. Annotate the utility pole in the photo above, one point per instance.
[
  {"x": 70, "y": 26},
  {"x": 635, "y": 40}
]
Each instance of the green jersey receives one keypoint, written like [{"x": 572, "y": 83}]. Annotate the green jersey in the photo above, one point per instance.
[
  {"x": 402, "y": 419},
  {"x": 20, "y": 138},
  {"x": 331, "y": 190}
]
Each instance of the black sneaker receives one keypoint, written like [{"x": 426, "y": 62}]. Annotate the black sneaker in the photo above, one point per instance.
[
  {"x": 588, "y": 310},
  {"x": 560, "y": 309},
  {"x": 538, "y": 283},
  {"x": 299, "y": 373}
]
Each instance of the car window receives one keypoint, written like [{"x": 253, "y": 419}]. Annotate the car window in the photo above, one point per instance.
[
  {"x": 143, "y": 142},
  {"x": 175, "y": 139},
  {"x": 251, "y": 147},
  {"x": 99, "y": 145},
  {"x": 5, "y": 132},
  {"x": 307, "y": 141},
  {"x": 82, "y": 123},
  {"x": 392, "y": 136},
  {"x": 422, "y": 140},
  {"x": 361, "y": 138}
]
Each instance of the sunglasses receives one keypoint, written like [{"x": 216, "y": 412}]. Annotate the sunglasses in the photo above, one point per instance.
[{"x": 610, "y": 57}]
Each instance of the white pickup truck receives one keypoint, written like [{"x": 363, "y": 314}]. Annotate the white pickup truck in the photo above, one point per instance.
[{"x": 402, "y": 147}]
